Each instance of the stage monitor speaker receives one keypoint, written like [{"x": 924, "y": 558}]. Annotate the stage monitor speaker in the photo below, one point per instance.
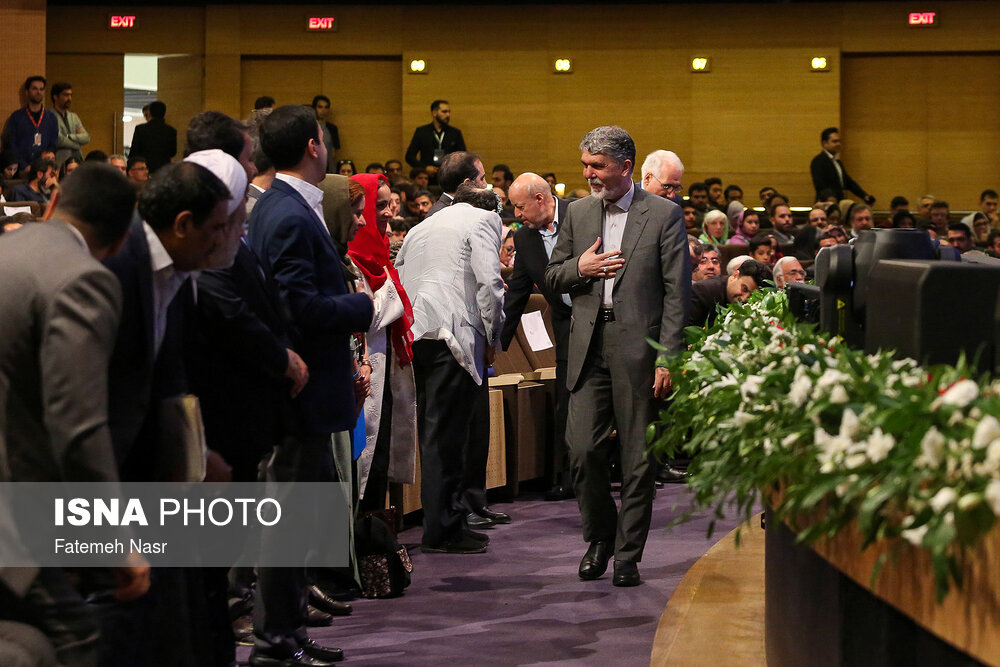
[{"x": 933, "y": 311}]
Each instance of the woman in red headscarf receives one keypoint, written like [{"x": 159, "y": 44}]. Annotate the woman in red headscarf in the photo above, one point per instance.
[{"x": 391, "y": 406}]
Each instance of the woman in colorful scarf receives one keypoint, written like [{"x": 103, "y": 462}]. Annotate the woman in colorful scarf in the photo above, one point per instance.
[{"x": 715, "y": 228}]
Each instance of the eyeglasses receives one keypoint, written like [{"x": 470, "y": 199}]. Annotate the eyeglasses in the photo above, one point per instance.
[{"x": 670, "y": 187}]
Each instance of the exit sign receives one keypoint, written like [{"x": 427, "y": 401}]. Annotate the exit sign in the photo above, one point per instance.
[
  {"x": 922, "y": 19},
  {"x": 321, "y": 23},
  {"x": 121, "y": 22}
]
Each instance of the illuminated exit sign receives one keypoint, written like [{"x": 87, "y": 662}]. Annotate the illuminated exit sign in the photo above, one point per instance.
[
  {"x": 121, "y": 22},
  {"x": 321, "y": 23},
  {"x": 922, "y": 19}
]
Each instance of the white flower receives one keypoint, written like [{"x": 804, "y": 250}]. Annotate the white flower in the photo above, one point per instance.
[
  {"x": 931, "y": 446},
  {"x": 830, "y": 377},
  {"x": 798, "y": 393},
  {"x": 849, "y": 424},
  {"x": 943, "y": 499},
  {"x": 915, "y": 536},
  {"x": 986, "y": 432},
  {"x": 879, "y": 445},
  {"x": 751, "y": 385},
  {"x": 839, "y": 394},
  {"x": 789, "y": 439},
  {"x": 993, "y": 453},
  {"x": 993, "y": 495},
  {"x": 741, "y": 418},
  {"x": 961, "y": 393},
  {"x": 855, "y": 461}
]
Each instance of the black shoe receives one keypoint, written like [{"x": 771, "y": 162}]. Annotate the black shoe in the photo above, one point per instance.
[
  {"x": 298, "y": 658},
  {"x": 671, "y": 475},
  {"x": 324, "y": 602},
  {"x": 473, "y": 520},
  {"x": 317, "y": 619},
  {"x": 626, "y": 573},
  {"x": 559, "y": 492},
  {"x": 320, "y": 652},
  {"x": 479, "y": 537},
  {"x": 495, "y": 517},
  {"x": 460, "y": 544},
  {"x": 595, "y": 561}
]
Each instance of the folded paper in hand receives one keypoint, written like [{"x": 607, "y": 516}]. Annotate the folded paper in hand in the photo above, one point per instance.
[{"x": 534, "y": 331}]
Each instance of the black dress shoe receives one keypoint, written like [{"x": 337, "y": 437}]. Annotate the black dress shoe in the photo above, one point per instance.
[
  {"x": 480, "y": 537},
  {"x": 671, "y": 475},
  {"x": 324, "y": 602},
  {"x": 460, "y": 544},
  {"x": 260, "y": 659},
  {"x": 559, "y": 492},
  {"x": 495, "y": 517},
  {"x": 317, "y": 619},
  {"x": 595, "y": 561},
  {"x": 320, "y": 652},
  {"x": 626, "y": 573},
  {"x": 473, "y": 520}
]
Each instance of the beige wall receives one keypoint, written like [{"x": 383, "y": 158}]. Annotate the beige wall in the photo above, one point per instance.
[
  {"x": 22, "y": 49},
  {"x": 753, "y": 120}
]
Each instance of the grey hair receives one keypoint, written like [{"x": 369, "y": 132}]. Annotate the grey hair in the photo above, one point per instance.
[
  {"x": 779, "y": 268},
  {"x": 611, "y": 141},
  {"x": 655, "y": 161}
]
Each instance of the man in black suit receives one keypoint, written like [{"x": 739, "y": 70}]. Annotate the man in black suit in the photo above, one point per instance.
[
  {"x": 457, "y": 168},
  {"x": 431, "y": 142},
  {"x": 541, "y": 213},
  {"x": 707, "y": 295},
  {"x": 288, "y": 234},
  {"x": 156, "y": 141},
  {"x": 829, "y": 175}
]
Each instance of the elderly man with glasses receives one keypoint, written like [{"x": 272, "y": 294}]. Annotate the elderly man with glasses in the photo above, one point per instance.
[{"x": 662, "y": 172}]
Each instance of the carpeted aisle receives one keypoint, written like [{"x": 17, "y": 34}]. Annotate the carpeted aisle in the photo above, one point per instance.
[{"x": 521, "y": 603}]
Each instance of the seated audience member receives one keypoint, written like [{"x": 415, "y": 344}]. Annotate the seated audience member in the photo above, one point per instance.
[
  {"x": 734, "y": 193},
  {"x": 980, "y": 227},
  {"x": 8, "y": 165},
  {"x": 715, "y": 195},
  {"x": 551, "y": 179},
  {"x": 774, "y": 200},
  {"x": 940, "y": 212},
  {"x": 506, "y": 246},
  {"x": 691, "y": 219},
  {"x": 747, "y": 227},
  {"x": 374, "y": 168},
  {"x": 765, "y": 193},
  {"x": 68, "y": 167},
  {"x": 818, "y": 218},
  {"x": 96, "y": 156},
  {"x": 833, "y": 216},
  {"x": 410, "y": 209},
  {"x": 708, "y": 264},
  {"x": 346, "y": 168},
  {"x": 714, "y": 228},
  {"x": 788, "y": 270},
  {"x": 826, "y": 239},
  {"x": 394, "y": 171},
  {"x": 696, "y": 248},
  {"x": 708, "y": 295},
  {"x": 960, "y": 237},
  {"x": 423, "y": 203},
  {"x": 903, "y": 220},
  {"x": 735, "y": 263},
  {"x": 698, "y": 197},
  {"x": 119, "y": 162},
  {"x": 924, "y": 207},
  {"x": 41, "y": 181},
  {"x": 137, "y": 170},
  {"x": 859, "y": 219},
  {"x": 988, "y": 205},
  {"x": 761, "y": 249},
  {"x": 898, "y": 204},
  {"x": 993, "y": 243},
  {"x": 399, "y": 227},
  {"x": 733, "y": 211},
  {"x": 804, "y": 245},
  {"x": 396, "y": 200},
  {"x": 501, "y": 177},
  {"x": 781, "y": 220},
  {"x": 420, "y": 177}
]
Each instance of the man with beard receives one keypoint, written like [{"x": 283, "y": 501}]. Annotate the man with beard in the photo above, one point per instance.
[{"x": 431, "y": 142}]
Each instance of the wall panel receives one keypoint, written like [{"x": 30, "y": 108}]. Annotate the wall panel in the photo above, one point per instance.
[
  {"x": 179, "y": 83},
  {"x": 22, "y": 49},
  {"x": 98, "y": 95}
]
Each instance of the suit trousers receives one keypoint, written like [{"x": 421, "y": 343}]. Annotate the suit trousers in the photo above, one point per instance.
[
  {"x": 280, "y": 608},
  {"x": 477, "y": 451},
  {"x": 609, "y": 394},
  {"x": 446, "y": 398}
]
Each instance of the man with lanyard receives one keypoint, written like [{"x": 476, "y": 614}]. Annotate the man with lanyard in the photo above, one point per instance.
[
  {"x": 29, "y": 130},
  {"x": 431, "y": 142}
]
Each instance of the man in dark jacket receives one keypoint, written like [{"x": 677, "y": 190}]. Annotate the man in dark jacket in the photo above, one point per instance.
[{"x": 156, "y": 141}]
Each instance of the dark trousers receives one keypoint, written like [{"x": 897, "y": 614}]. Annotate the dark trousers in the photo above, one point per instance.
[
  {"x": 446, "y": 402},
  {"x": 477, "y": 450},
  {"x": 280, "y": 607},
  {"x": 610, "y": 392}
]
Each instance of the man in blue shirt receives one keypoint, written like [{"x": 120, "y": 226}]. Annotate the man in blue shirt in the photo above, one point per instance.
[{"x": 31, "y": 129}]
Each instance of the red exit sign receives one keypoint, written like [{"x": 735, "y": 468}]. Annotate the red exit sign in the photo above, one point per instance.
[
  {"x": 321, "y": 23},
  {"x": 121, "y": 22},
  {"x": 922, "y": 19}
]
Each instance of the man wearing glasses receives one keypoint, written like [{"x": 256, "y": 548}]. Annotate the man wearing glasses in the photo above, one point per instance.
[{"x": 662, "y": 172}]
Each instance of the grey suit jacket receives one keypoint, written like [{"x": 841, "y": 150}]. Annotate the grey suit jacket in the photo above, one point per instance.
[
  {"x": 651, "y": 292},
  {"x": 57, "y": 328},
  {"x": 450, "y": 268}
]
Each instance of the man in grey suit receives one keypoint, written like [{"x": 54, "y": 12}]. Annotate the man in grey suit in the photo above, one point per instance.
[
  {"x": 59, "y": 314},
  {"x": 451, "y": 270},
  {"x": 622, "y": 255}
]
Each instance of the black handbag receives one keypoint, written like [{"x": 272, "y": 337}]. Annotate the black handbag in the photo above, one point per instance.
[{"x": 383, "y": 563}]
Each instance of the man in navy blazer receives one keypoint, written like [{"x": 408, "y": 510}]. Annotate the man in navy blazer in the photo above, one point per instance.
[{"x": 288, "y": 234}]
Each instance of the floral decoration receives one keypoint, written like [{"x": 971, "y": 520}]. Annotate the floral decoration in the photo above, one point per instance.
[{"x": 774, "y": 410}]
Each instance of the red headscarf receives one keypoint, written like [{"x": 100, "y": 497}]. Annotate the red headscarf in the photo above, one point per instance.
[{"x": 370, "y": 252}]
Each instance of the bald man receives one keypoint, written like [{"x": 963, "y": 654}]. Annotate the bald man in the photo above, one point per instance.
[
  {"x": 662, "y": 172},
  {"x": 541, "y": 213}
]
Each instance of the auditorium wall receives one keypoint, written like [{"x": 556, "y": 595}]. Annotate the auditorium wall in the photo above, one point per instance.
[
  {"x": 22, "y": 49},
  {"x": 754, "y": 119}
]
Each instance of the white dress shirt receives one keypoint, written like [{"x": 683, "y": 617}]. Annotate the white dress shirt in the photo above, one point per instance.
[
  {"x": 309, "y": 192},
  {"x": 615, "y": 215},
  {"x": 166, "y": 283},
  {"x": 549, "y": 238},
  {"x": 836, "y": 163}
]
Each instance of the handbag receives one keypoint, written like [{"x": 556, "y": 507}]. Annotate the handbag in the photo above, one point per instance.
[{"x": 383, "y": 563}]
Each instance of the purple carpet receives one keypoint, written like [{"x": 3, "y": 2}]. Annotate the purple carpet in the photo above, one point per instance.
[{"x": 521, "y": 603}]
